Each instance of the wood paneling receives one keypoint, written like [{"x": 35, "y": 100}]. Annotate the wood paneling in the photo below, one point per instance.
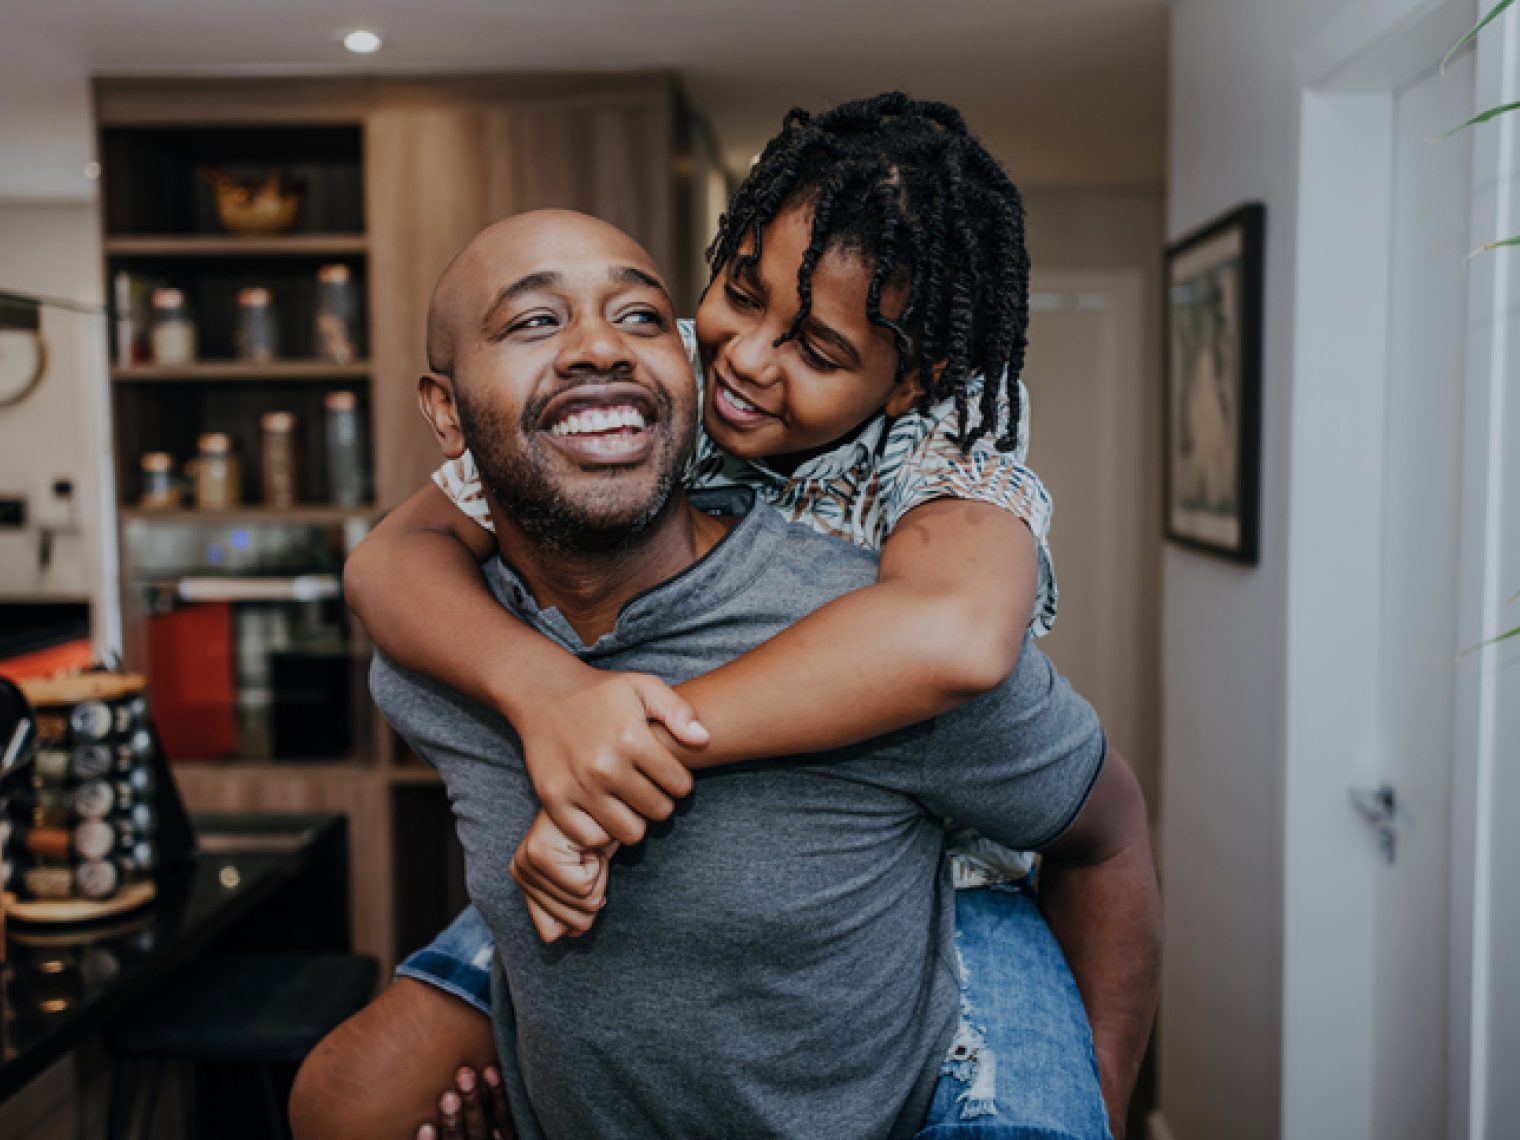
[{"x": 440, "y": 169}]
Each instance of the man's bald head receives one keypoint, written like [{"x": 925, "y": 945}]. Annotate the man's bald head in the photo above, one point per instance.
[{"x": 503, "y": 254}]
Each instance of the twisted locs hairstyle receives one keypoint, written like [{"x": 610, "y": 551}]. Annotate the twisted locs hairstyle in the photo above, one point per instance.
[{"x": 901, "y": 184}]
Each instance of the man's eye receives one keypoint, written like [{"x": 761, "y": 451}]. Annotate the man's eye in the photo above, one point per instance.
[
  {"x": 649, "y": 317},
  {"x": 531, "y": 321}
]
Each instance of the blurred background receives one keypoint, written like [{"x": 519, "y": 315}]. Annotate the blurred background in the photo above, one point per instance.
[{"x": 1328, "y": 974}]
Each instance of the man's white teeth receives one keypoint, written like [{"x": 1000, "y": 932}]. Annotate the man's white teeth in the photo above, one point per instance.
[{"x": 599, "y": 420}]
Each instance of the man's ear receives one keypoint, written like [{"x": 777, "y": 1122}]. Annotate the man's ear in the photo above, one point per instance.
[{"x": 435, "y": 396}]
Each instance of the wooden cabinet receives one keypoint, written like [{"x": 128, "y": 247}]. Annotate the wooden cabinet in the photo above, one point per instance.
[
  {"x": 397, "y": 175},
  {"x": 445, "y": 160}
]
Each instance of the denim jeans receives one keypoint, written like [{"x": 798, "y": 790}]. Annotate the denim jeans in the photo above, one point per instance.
[{"x": 1022, "y": 1066}]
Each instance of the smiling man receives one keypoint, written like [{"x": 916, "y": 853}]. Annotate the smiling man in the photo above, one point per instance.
[{"x": 777, "y": 960}]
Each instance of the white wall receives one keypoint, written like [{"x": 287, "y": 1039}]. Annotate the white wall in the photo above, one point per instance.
[
  {"x": 62, "y": 428},
  {"x": 1084, "y": 231},
  {"x": 46, "y": 132},
  {"x": 1234, "y": 138}
]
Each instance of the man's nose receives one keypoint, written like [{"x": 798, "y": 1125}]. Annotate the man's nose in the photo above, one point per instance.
[{"x": 593, "y": 345}]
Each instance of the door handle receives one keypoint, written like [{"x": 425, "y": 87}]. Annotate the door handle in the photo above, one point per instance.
[{"x": 1378, "y": 806}]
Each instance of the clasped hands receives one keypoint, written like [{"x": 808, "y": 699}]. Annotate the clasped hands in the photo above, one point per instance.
[{"x": 601, "y": 763}]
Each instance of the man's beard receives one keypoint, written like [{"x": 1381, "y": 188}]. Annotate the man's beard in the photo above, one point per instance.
[{"x": 520, "y": 478}]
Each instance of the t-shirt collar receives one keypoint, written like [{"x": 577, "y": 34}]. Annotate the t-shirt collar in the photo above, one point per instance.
[{"x": 734, "y": 561}]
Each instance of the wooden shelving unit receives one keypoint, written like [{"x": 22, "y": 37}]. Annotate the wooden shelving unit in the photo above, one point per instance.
[
  {"x": 333, "y": 752},
  {"x": 292, "y": 245},
  {"x": 205, "y": 370},
  {"x": 397, "y": 175},
  {"x": 240, "y": 516}
]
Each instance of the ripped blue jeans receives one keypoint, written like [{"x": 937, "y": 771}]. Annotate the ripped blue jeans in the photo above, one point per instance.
[{"x": 1022, "y": 1067}]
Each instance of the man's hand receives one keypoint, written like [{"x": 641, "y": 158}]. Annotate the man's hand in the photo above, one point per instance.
[
  {"x": 598, "y": 768},
  {"x": 563, "y": 883}
]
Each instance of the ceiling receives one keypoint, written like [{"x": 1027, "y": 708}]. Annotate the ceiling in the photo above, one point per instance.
[{"x": 1066, "y": 92}]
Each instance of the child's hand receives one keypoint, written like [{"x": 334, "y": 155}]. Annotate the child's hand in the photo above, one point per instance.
[
  {"x": 598, "y": 768},
  {"x": 563, "y": 883}
]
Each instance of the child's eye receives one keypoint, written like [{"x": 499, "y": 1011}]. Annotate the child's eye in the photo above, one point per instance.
[
  {"x": 738, "y": 299},
  {"x": 815, "y": 359}
]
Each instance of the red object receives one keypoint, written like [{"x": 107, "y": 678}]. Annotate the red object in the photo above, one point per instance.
[
  {"x": 190, "y": 670},
  {"x": 66, "y": 658}
]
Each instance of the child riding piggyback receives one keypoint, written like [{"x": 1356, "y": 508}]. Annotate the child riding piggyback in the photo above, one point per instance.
[{"x": 859, "y": 349}]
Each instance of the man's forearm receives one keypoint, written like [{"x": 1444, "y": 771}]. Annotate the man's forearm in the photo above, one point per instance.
[{"x": 1107, "y": 918}]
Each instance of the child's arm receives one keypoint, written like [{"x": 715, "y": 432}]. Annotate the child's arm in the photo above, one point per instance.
[
  {"x": 942, "y": 624},
  {"x": 415, "y": 583}
]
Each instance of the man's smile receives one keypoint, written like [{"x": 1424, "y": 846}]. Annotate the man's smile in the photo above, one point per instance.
[{"x": 601, "y": 423}]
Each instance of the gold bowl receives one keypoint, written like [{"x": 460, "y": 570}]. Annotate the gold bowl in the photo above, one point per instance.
[{"x": 256, "y": 211}]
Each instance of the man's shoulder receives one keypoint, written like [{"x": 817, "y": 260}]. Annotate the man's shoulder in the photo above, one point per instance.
[{"x": 431, "y": 714}]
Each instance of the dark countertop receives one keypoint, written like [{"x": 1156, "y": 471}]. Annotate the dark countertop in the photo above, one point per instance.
[{"x": 259, "y": 882}]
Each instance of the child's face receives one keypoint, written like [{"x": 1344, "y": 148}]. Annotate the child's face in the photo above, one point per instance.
[{"x": 791, "y": 402}]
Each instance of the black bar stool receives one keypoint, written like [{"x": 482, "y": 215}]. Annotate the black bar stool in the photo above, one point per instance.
[{"x": 266, "y": 1010}]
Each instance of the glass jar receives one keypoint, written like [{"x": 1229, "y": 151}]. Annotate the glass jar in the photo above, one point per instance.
[
  {"x": 337, "y": 315},
  {"x": 172, "y": 334},
  {"x": 160, "y": 489},
  {"x": 257, "y": 336},
  {"x": 279, "y": 456},
  {"x": 216, "y": 473},
  {"x": 347, "y": 484}
]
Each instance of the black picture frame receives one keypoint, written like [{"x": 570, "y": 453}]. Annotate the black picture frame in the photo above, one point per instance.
[{"x": 1212, "y": 433}]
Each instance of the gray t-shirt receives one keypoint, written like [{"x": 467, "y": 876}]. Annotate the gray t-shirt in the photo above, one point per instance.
[{"x": 777, "y": 959}]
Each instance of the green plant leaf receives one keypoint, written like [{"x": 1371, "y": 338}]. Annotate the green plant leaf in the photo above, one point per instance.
[
  {"x": 1498, "y": 637},
  {"x": 1491, "y": 113},
  {"x": 1494, "y": 245},
  {"x": 1478, "y": 27}
]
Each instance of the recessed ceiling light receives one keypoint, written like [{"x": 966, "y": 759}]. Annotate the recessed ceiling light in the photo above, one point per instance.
[{"x": 362, "y": 42}]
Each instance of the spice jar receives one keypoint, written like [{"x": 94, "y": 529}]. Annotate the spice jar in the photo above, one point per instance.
[
  {"x": 160, "y": 490},
  {"x": 216, "y": 472},
  {"x": 279, "y": 458},
  {"x": 257, "y": 338},
  {"x": 173, "y": 332},
  {"x": 346, "y": 482},
  {"x": 337, "y": 314}
]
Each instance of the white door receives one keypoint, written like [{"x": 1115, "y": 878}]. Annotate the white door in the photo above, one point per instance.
[{"x": 1090, "y": 445}]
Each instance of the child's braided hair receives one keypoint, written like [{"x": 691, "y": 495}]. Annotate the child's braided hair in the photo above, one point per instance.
[{"x": 902, "y": 184}]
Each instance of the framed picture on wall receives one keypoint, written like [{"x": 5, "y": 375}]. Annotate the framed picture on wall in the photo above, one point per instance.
[{"x": 1213, "y": 386}]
